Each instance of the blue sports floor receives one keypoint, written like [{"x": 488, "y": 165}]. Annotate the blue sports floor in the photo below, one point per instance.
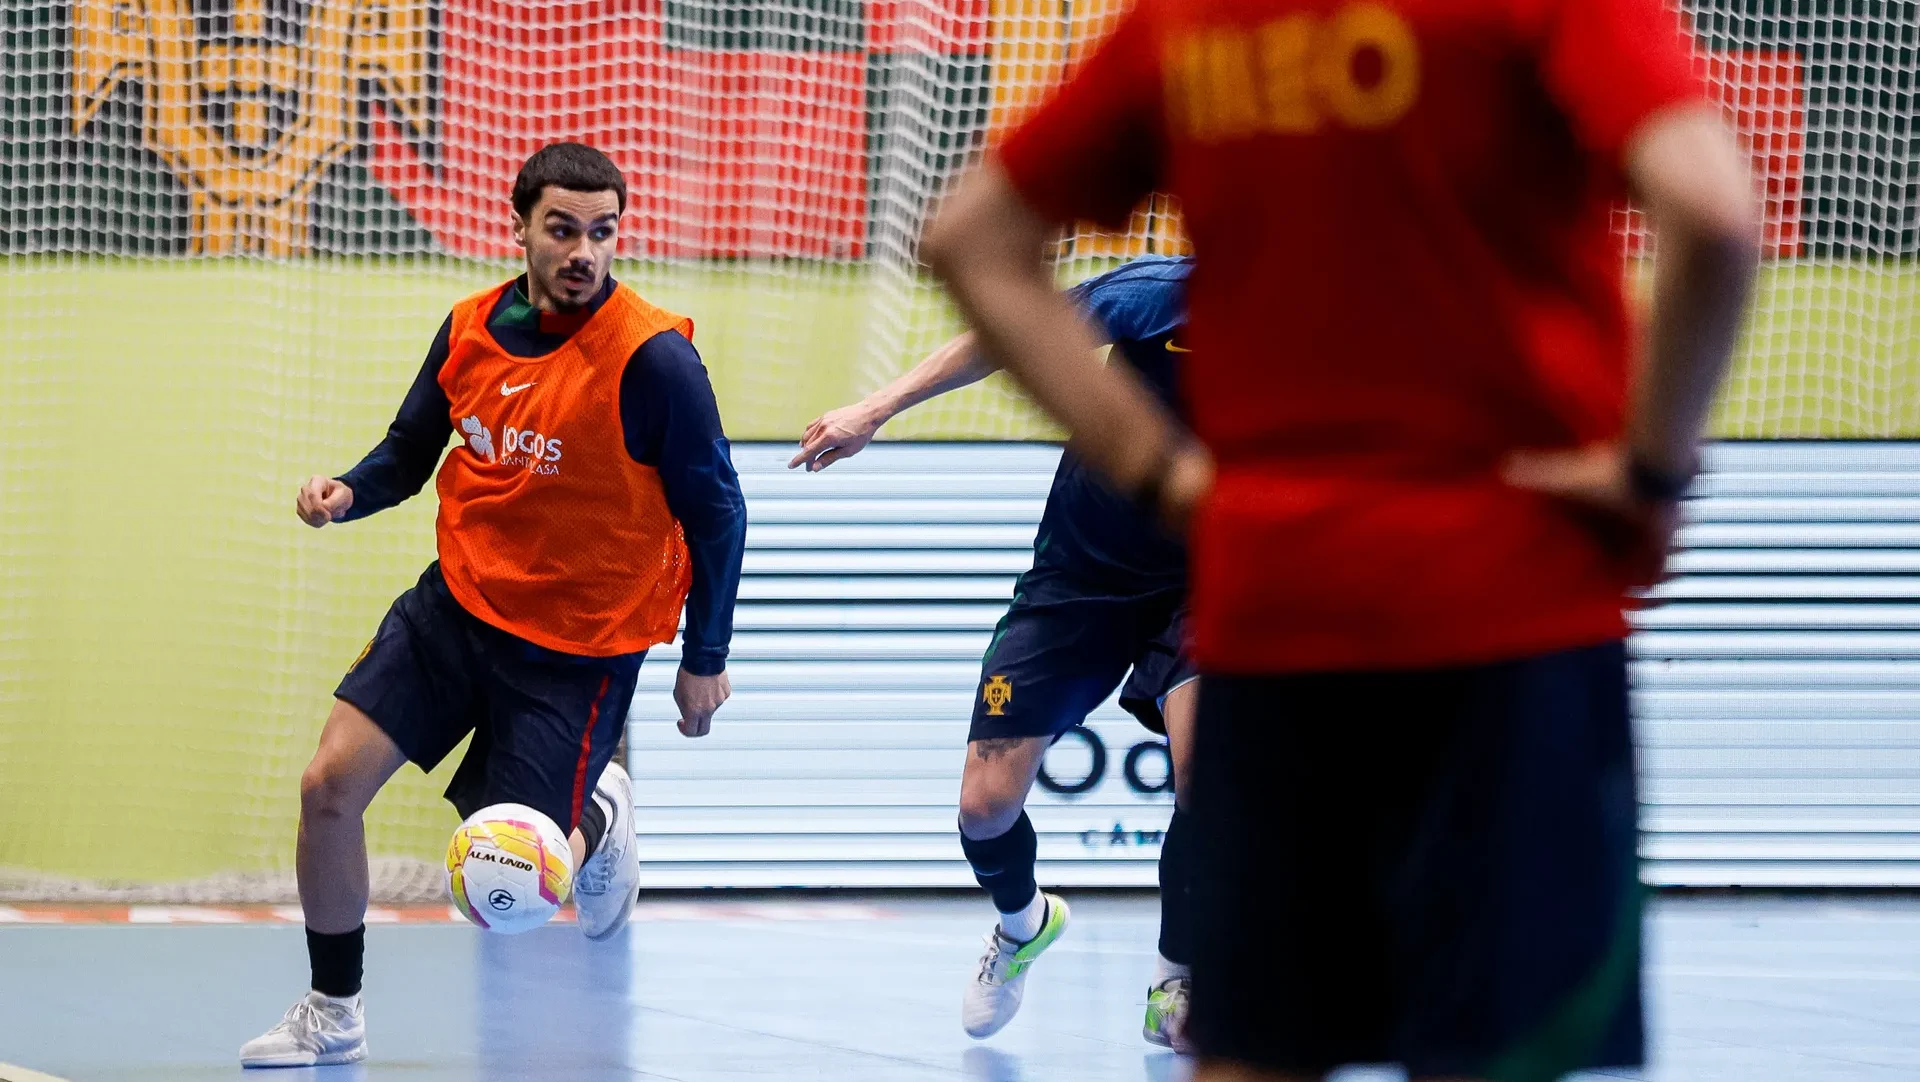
[{"x": 1744, "y": 990}]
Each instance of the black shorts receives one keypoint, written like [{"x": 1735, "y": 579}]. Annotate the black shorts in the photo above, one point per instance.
[
  {"x": 1064, "y": 646},
  {"x": 544, "y": 723},
  {"x": 1434, "y": 868}
]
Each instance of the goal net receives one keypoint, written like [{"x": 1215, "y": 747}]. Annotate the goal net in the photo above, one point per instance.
[{"x": 229, "y": 228}]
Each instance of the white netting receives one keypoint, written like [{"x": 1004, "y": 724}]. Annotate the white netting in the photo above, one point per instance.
[
  {"x": 1826, "y": 104},
  {"x": 229, "y": 228}
]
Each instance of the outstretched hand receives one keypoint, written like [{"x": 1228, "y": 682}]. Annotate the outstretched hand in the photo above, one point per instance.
[
  {"x": 698, "y": 697},
  {"x": 1595, "y": 480},
  {"x": 322, "y": 500},
  {"x": 835, "y": 435}
]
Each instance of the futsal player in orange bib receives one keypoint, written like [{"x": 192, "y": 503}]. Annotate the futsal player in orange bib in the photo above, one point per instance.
[{"x": 590, "y": 496}]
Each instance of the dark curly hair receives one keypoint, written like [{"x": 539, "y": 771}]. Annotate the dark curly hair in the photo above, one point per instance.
[{"x": 576, "y": 167}]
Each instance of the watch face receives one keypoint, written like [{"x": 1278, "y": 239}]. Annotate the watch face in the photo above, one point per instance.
[{"x": 1652, "y": 485}]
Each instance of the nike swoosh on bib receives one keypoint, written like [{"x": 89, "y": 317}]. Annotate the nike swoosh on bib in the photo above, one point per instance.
[{"x": 506, "y": 391}]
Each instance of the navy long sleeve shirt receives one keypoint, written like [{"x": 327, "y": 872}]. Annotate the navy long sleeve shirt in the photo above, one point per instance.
[{"x": 669, "y": 421}]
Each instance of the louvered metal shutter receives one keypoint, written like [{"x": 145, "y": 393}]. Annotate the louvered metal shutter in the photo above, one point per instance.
[{"x": 1778, "y": 678}]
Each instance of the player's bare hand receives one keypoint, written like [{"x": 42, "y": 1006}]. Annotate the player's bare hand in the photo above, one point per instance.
[
  {"x": 835, "y": 435},
  {"x": 1596, "y": 480},
  {"x": 322, "y": 500},
  {"x": 698, "y": 697}
]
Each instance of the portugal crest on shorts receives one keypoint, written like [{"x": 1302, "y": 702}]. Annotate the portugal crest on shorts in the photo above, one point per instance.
[
  {"x": 250, "y": 101},
  {"x": 997, "y": 693}
]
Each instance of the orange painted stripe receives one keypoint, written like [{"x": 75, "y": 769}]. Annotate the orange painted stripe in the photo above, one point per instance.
[{"x": 40, "y": 915}]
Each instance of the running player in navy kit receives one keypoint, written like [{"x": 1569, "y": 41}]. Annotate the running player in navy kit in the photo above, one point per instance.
[{"x": 1105, "y": 595}]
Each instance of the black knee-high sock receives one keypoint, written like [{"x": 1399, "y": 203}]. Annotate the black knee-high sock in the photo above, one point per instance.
[
  {"x": 1004, "y": 865},
  {"x": 337, "y": 961},
  {"x": 1176, "y": 892}
]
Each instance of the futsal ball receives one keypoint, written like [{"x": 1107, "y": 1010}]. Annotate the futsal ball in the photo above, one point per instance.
[{"x": 509, "y": 868}]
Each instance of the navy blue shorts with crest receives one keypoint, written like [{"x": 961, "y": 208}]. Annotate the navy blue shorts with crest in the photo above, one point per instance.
[
  {"x": 544, "y": 723},
  {"x": 1065, "y": 645}
]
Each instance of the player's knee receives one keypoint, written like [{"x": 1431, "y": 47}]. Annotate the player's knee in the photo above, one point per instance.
[
  {"x": 328, "y": 792},
  {"x": 987, "y": 811}
]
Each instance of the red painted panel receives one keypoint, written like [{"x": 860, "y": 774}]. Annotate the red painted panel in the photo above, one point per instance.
[
  {"x": 1763, "y": 93},
  {"x": 755, "y": 153},
  {"x": 726, "y": 153}
]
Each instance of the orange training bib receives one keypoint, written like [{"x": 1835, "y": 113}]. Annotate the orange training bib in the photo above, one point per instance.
[{"x": 548, "y": 528}]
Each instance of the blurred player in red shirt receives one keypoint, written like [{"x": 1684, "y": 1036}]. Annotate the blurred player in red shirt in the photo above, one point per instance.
[{"x": 1434, "y": 457}]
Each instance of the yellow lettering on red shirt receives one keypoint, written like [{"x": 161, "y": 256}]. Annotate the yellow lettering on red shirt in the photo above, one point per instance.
[
  {"x": 1358, "y": 68},
  {"x": 1353, "y": 32},
  {"x": 1233, "y": 110},
  {"x": 1285, "y": 45}
]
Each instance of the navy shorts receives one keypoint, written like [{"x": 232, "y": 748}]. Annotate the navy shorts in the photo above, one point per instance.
[
  {"x": 1063, "y": 647},
  {"x": 1435, "y": 868},
  {"x": 544, "y": 723}
]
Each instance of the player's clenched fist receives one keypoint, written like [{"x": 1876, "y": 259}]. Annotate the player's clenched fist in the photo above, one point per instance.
[
  {"x": 698, "y": 697},
  {"x": 323, "y": 500}
]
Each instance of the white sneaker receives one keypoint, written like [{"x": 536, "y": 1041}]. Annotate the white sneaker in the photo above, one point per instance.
[
  {"x": 316, "y": 1031},
  {"x": 993, "y": 998},
  {"x": 604, "y": 888}
]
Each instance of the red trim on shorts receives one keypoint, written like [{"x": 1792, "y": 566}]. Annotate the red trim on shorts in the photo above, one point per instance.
[{"x": 586, "y": 753}]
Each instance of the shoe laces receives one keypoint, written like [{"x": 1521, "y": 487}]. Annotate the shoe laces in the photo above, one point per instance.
[
  {"x": 1171, "y": 1020},
  {"x": 305, "y": 1019},
  {"x": 596, "y": 872},
  {"x": 594, "y": 877},
  {"x": 1170, "y": 996},
  {"x": 994, "y": 964}
]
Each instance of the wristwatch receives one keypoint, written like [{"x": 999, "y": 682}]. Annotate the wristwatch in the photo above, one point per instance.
[{"x": 1651, "y": 484}]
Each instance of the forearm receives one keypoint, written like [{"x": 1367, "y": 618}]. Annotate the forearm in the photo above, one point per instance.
[
  {"x": 717, "y": 555},
  {"x": 987, "y": 247},
  {"x": 1701, "y": 288},
  {"x": 703, "y": 493},
  {"x": 391, "y": 473},
  {"x": 959, "y": 363},
  {"x": 1699, "y": 197}
]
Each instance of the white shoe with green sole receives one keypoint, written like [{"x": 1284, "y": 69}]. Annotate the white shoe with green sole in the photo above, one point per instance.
[{"x": 993, "y": 997}]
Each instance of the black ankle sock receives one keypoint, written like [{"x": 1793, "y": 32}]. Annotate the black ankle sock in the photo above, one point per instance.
[
  {"x": 337, "y": 961},
  {"x": 1176, "y": 892},
  {"x": 1004, "y": 865},
  {"x": 593, "y": 825}
]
